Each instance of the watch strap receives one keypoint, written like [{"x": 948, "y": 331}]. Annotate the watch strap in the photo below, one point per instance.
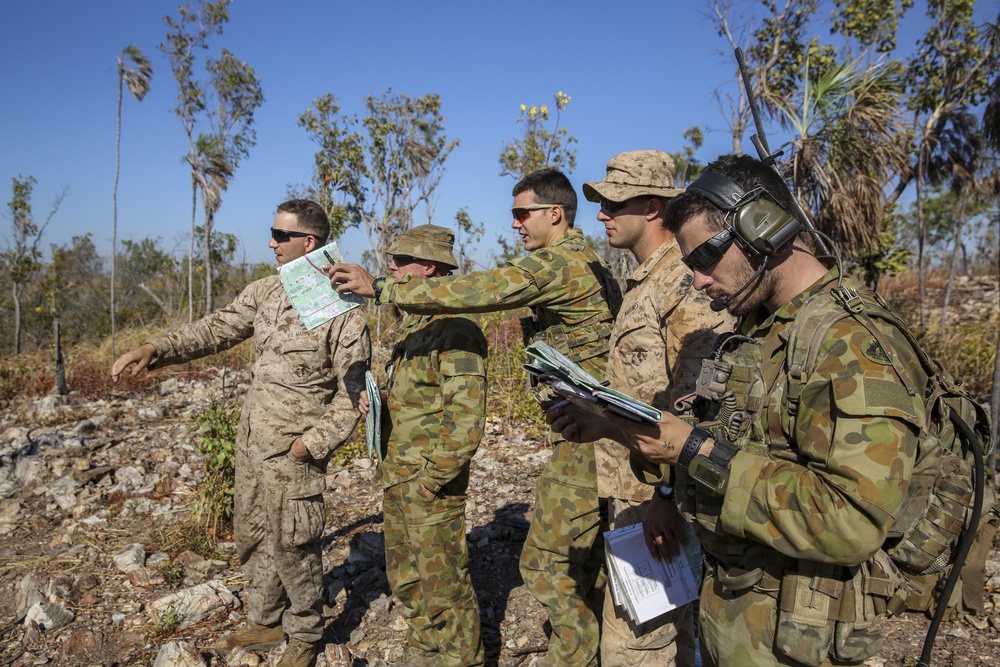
[{"x": 692, "y": 445}]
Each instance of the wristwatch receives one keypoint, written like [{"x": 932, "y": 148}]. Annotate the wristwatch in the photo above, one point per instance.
[
  {"x": 377, "y": 286},
  {"x": 712, "y": 471},
  {"x": 692, "y": 445},
  {"x": 666, "y": 492}
]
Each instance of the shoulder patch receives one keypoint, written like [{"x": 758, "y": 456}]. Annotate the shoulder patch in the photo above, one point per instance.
[{"x": 874, "y": 351}]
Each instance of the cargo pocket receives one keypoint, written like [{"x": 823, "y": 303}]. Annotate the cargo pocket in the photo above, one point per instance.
[{"x": 805, "y": 628}]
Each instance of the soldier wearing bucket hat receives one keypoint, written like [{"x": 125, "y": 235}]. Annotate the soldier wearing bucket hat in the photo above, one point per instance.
[
  {"x": 664, "y": 330},
  {"x": 573, "y": 299},
  {"x": 438, "y": 360}
]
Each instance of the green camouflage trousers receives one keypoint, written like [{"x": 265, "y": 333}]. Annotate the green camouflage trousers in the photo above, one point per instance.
[
  {"x": 667, "y": 641},
  {"x": 278, "y": 520},
  {"x": 562, "y": 559},
  {"x": 427, "y": 564}
]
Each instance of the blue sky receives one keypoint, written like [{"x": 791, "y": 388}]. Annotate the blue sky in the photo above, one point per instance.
[{"x": 639, "y": 74}]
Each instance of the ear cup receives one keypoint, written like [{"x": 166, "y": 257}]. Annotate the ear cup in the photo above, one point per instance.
[
  {"x": 765, "y": 226},
  {"x": 760, "y": 224}
]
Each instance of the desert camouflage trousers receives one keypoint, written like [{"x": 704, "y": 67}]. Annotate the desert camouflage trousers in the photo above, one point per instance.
[
  {"x": 278, "y": 520},
  {"x": 427, "y": 564},
  {"x": 563, "y": 555},
  {"x": 662, "y": 642}
]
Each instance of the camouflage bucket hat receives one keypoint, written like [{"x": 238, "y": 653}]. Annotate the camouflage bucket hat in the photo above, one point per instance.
[
  {"x": 634, "y": 174},
  {"x": 428, "y": 242}
]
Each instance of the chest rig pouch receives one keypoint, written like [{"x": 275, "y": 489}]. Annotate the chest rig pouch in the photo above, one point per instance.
[{"x": 730, "y": 394}]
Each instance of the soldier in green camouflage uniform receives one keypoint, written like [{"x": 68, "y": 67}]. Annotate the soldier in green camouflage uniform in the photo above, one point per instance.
[
  {"x": 573, "y": 298},
  {"x": 301, "y": 406},
  {"x": 791, "y": 499},
  {"x": 436, "y": 403},
  {"x": 664, "y": 330}
]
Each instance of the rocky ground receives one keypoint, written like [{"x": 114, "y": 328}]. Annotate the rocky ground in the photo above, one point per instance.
[{"x": 97, "y": 567}]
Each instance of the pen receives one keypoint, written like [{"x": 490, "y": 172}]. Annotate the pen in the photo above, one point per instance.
[
  {"x": 328, "y": 258},
  {"x": 561, "y": 404}
]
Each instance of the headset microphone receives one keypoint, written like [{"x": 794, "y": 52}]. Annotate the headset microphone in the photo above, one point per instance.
[{"x": 718, "y": 305}]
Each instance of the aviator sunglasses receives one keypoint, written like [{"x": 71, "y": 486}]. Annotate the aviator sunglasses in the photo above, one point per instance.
[
  {"x": 286, "y": 235},
  {"x": 710, "y": 252},
  {"x": 522, "y": 213}
]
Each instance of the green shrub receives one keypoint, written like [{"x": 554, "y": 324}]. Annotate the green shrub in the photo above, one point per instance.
[{"x": 217, "y": 426}]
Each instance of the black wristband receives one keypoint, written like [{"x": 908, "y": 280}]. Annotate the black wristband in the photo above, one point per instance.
[{"x": 692, "y": 445}]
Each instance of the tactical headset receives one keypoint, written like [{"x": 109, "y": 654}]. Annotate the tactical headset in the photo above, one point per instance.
[{"x": 760, "y": 225}]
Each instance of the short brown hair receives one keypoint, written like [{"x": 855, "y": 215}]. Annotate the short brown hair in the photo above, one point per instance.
[{"x": 310, "y": 216}]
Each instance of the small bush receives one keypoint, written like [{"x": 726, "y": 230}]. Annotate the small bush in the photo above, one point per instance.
[
  {"x": 172, "y": 572},
  {"x": 217, "y": 426}
]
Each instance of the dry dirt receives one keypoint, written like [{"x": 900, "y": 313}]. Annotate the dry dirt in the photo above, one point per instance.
[{"x": 73, "y": 547}]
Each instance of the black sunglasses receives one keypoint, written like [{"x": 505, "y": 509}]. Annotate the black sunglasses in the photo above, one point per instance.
[
  {"x": 286, "y": 235},
  {"x": 403, "y": 260},
  {"x": 710, "y": 252},
  {"x": 613, "y": 207}
]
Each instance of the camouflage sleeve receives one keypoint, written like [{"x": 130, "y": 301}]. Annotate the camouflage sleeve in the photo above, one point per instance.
[
  {"x": 350, "y": 345},
  {"x": 502, "y": 288},
  {"x": 213, "y": 333},
  {"x": 462, "y": 372},
  {"x": 857, "y": 430}
]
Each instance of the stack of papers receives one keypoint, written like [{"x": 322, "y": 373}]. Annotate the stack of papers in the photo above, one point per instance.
[
  {"x": 309, "y": 290},
  {"x": 570, "y": 381},
  {"x": 644, "y": 587}
]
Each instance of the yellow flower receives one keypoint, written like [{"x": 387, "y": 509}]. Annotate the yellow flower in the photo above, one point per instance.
[
  {"x": 533, "y": 111},
  {"x": 545, "y": 109},
  {"x": 523, "y": 107}
]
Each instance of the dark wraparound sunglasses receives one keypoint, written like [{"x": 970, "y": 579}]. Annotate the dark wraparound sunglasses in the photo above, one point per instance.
[
  {"x": 286, "y": 235},
  {"x": 612, "y": 207},
  {"x": 710, "y": 252},
  {"x": 403, "y": 260}
]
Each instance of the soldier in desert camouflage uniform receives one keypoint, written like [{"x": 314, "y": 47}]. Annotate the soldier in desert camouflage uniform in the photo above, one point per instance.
[
  {"x": 573, "y": 298},
  {"x": 791, "y": 499},
  {"x": 664, "y": 330},
  {"x": 436, "y": 403},
  {"x": 301, "y": 406}
]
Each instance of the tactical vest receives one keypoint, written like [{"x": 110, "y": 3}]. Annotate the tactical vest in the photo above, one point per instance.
[{"x": 730, "y": 397}]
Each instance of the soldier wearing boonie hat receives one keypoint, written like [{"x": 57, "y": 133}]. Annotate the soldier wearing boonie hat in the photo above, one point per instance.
[
  {"x": 425, "y": 473},
  {"x": 634, "y": 174},
  {"x": 662, "y": 333},
  {"x": 428, "y": 242}
]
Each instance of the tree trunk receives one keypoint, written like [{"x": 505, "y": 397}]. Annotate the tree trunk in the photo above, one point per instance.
[
  {"x": 209, "y": 221},
  {"x": 16, "y": 292},
  {"x": 951, "y": 268},
  {"x": 61, "y": 387},
  {"x": 114, "y": 213},
  {"x": 921, "y": 234},
  {"x": 194, "y": 212}
]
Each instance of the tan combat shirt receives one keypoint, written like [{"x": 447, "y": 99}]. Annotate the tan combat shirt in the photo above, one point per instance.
[
  {"x": 663, "y": 331},
  {"x": 303, "y": 383}
]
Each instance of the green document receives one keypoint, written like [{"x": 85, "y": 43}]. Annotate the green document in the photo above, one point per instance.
[{"x": 309, "y": 288}]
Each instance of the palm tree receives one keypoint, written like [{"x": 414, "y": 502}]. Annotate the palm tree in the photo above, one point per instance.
[
  {"x": 211, "y": 171},
  {"x": 135, "y": 71},
  {"x": 847, "y": 146}
]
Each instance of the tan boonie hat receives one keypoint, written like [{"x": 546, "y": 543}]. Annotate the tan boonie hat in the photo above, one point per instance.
[
  {"x": 634, "y": 174},
  {"x": 428, "y": 242}
]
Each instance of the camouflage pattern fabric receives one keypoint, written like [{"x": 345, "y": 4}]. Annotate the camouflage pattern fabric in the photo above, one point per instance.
[
  {"x": 816, "y": 506},
  {"x": 663, "y": 331},
  {"x": 574, "y": 298},
  {"x": 436, "y": 401},
  {"x": 305, "y": 384}
]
